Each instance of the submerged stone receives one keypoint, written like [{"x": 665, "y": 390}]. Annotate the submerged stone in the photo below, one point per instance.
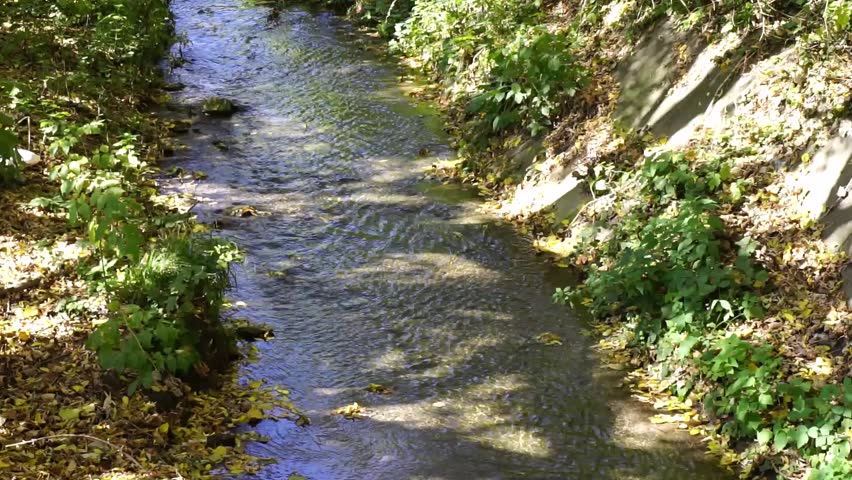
[
  {"x": 173, "y": 86},
  {"x": 219, "y": 106}
]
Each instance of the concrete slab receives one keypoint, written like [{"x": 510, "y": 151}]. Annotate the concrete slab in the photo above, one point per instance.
[
  {"x": 646, "y": 76},
  {"x": 828, "y": 171}
]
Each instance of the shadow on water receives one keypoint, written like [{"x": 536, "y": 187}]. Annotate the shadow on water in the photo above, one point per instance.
[{"x": 381, "y": 278}]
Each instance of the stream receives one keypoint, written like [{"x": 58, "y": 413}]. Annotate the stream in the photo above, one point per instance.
[{"x": 369, "y": 274}]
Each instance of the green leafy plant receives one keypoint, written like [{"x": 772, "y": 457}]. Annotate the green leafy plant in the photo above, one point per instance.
[
  {"x": 746, "y": 375},
  {"x": 668, "y": 262},
  {"x": 165, "y": 285},
  {"x": 166, "y": 309},
  {"x": 530, "y": 79}
]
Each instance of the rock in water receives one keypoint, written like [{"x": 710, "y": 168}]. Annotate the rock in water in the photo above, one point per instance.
[
  {"x": 250, "y": 333},
  {"x": 219, "y": 106}
]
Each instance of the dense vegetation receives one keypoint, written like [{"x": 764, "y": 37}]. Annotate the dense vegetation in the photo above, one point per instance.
[
  {"x": 92, "y": 255},
  {"x": 697, "y": 265}
]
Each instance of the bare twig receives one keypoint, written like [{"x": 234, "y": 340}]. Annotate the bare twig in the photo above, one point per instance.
[
  {"x": 120, "y": 450},
  {"x": 390, "y": 9},
  {"x": 587, "y": 204}
]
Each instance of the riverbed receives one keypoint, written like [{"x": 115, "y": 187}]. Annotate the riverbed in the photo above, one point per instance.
[{"x": 370, "y": 274}]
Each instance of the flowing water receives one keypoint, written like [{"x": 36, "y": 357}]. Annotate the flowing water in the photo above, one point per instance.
[{"x": 370, "y": 275}]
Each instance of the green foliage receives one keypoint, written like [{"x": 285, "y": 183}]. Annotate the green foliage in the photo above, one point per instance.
[
  {"x": 531, "y": 77},
  {"x": 165, "y": 292},
  {"x": 746, "y": 377},
  {"x": 516, "y": 72},
  {"x": 837, "y": 469},
  {"x": 668, "y": 260},
  {"x": 384, "y": 14},
  {"x": 449, "y": 36},
  {"x": 837, "y": 15},
  {"x": 164, "y": 286},
  {"x": 158, "y": 305},
  {"x": 9, "y": 169},
  {"x": 671, "y": 269}
]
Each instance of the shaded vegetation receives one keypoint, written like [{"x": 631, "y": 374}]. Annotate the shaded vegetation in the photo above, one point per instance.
[
  {"x": 92, "y": 255},
  {"x": 699, "y": 268}
]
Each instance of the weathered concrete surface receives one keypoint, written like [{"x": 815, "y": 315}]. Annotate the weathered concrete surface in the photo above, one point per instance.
[
  {"x": 681, "y": 99},
  {"x": 646, "y": 76},
  {"x": 825, "y": 183},
  {"x": 693, "y": 101},
  {"x": 558, "y": 189},
  {"x": 547, "y": 185}
]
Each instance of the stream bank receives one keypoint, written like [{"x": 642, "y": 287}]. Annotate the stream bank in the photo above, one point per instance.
[{"x": 110, "y": 292}]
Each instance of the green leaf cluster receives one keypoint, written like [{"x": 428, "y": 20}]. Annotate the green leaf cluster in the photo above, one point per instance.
[
  {"x": 669, "y": 266},
  {"x": 530, "y": 80},
  {"x": 669, "y": 263},
  {"x": 164, "y": 284}
]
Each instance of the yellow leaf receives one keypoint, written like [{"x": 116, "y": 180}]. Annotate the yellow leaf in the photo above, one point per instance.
[
  {"x": 378, "y": 388},
  {"x": 23, "y": 335},
  {"x": 69, "y": 414},
  {"x": 164, "y": 428},
  {"x": 351, "y": 412},
  {"x": 218, "y": 454},
  {"x": 549, "y": 338},
  {"x": 255, "y": 414},
  {"x": 30, "y": 311}
]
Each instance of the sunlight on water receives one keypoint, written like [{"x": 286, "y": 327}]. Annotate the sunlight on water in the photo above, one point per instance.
[{"x": 369, "y": 275}]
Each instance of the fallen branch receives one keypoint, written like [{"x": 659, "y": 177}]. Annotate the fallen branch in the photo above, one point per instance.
[
  {"x": 74, "y": 435},
  {"x": 587, "y": 204},
  {"x": 390, "y": 9}
]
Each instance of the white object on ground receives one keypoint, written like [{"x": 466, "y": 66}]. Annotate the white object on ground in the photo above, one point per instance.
[{"x": 29, "y": 157}]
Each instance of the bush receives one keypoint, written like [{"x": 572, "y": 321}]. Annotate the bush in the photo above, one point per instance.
[
  {"x": 531, "y": 79},
  {"x": 165, "y": 310},
  {"x": 10, "y": 171},
  {"x": 668, "y": 263},
  {"x": 450, "y": 36}
]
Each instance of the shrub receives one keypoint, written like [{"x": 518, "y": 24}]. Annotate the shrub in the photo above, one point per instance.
[
  {"x": 530, "y": 80},
  {"x": 668, "y": 263},
  {"x": 165, "y": 310},
  {"x": 9, "y": 169},
  {"x": 449, "y": 36}
]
